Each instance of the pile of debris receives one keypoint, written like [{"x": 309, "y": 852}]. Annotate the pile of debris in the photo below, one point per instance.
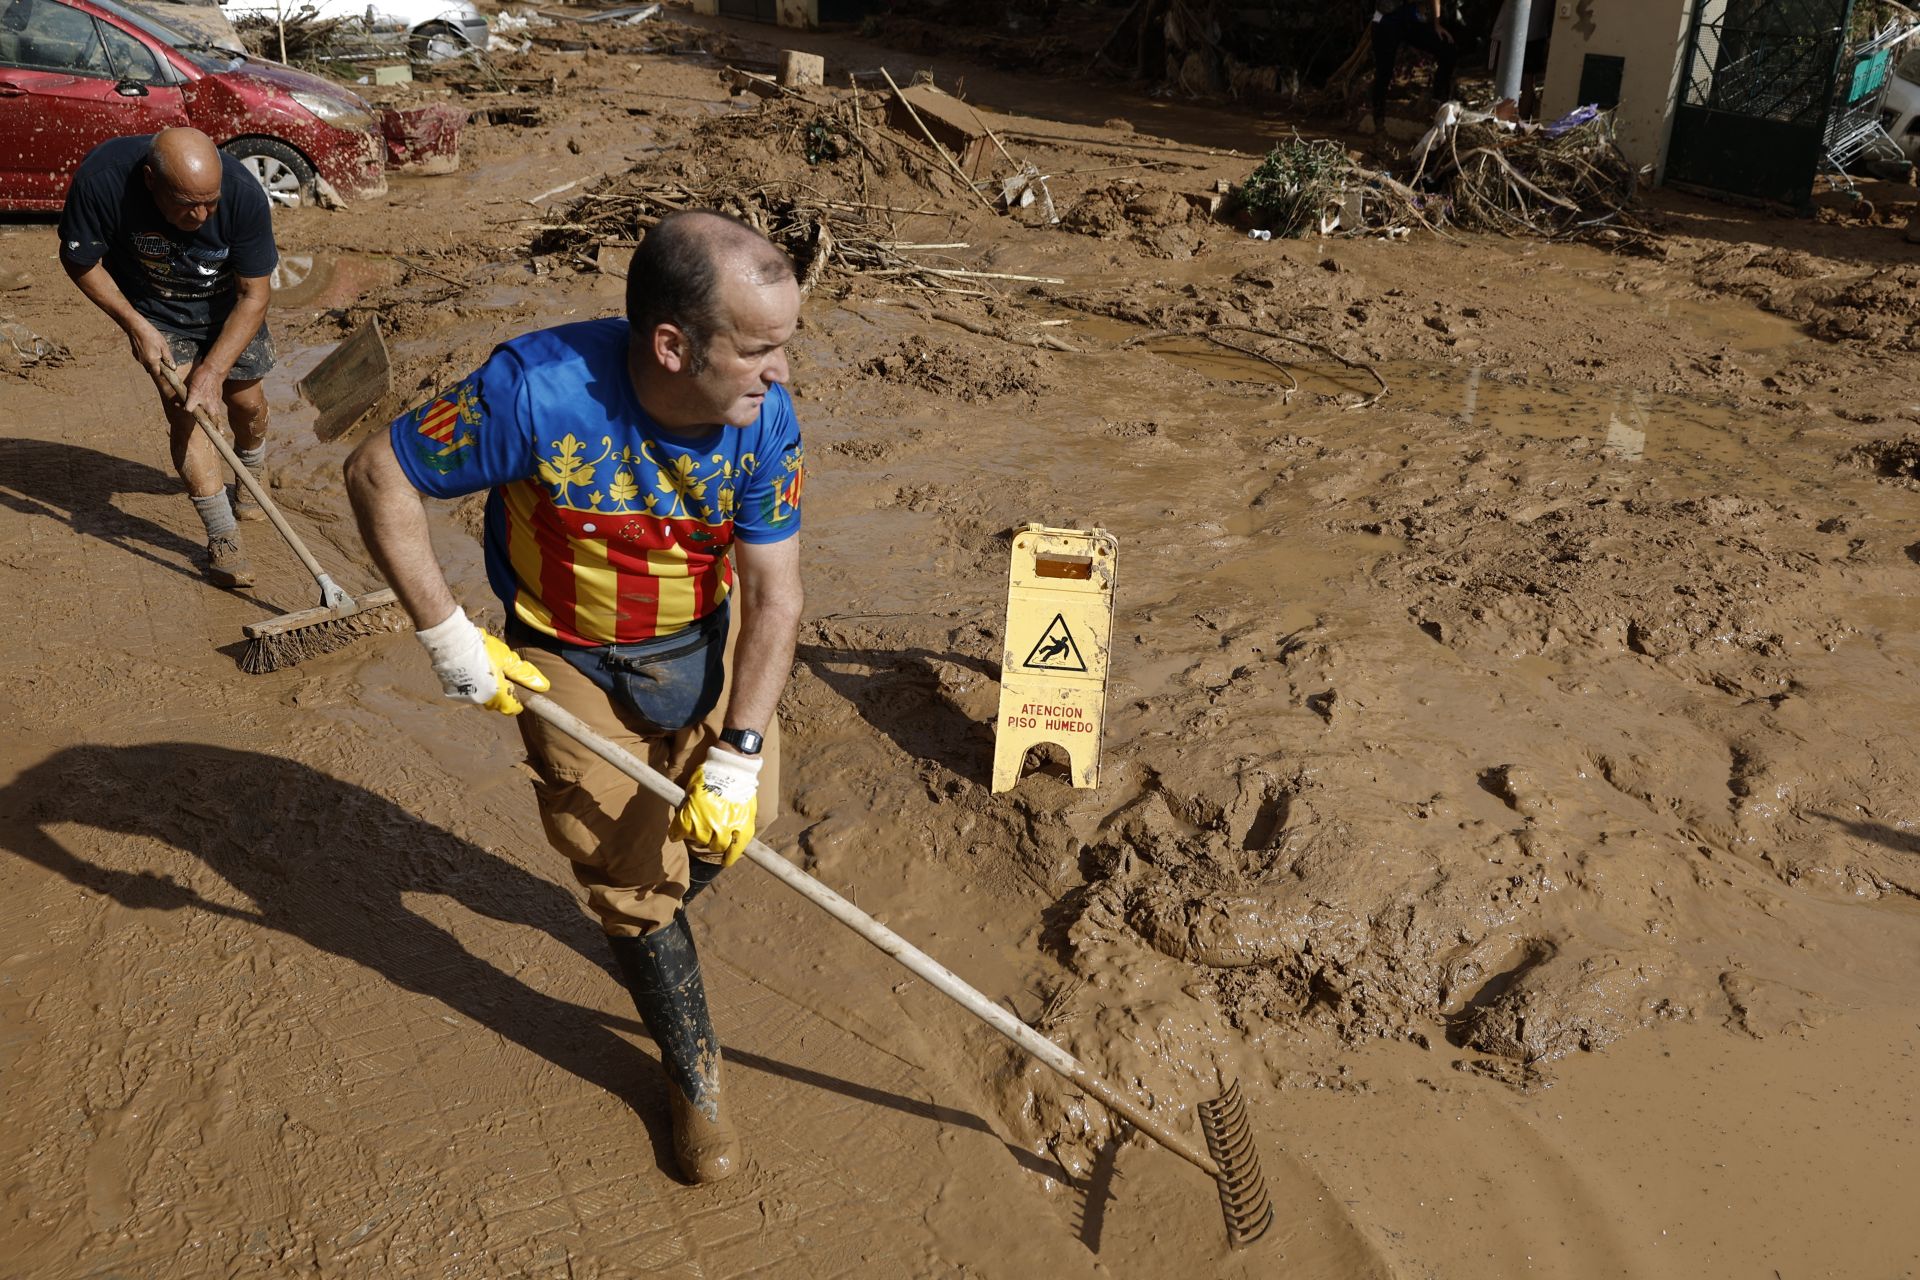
[
  {"x": 302, "y": 38},
  {"x": 1558, "y": 180},
  {"x": 1471, "y": 170},
  {"x": 21, "y": 349},
  {"x": 824, "y": 180}
]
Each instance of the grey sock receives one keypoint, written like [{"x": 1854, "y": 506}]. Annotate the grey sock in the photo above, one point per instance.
[
  {"x": 216, "y": 513},
  {"x": 251, "y": 459}
]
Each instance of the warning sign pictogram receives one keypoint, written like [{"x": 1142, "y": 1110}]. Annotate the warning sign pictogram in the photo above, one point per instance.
[{"x": 1055, "y": 649}]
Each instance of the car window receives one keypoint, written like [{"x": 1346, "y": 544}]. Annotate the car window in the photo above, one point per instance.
[
  {"x": 47, "y": 36},
  {"x": 130, "y": 59}
]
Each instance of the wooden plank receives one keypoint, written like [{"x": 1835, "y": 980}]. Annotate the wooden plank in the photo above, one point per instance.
[
  {"x": 350, "y": 381},
  {"x": 951, "y": 122}
]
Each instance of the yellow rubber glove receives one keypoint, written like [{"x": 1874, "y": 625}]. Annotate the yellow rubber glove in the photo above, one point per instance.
[
  {"x": 723, "y": 800},
  {"x": 476, "y": 667},
  {"x": 509, "y": 669}
]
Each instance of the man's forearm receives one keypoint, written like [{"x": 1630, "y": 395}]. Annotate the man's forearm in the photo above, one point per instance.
[
  {"x": 393, "y": 524},
  {"x": 249, "y": 311},
  {"x": 763, "y": 658}
]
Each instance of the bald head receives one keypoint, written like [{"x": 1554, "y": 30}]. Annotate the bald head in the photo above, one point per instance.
[
  {"x": 183, "y": 173},
  {"x": 681, "y": 271}
]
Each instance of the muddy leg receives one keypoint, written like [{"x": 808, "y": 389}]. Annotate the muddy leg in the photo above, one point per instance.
[{"x": 663, "y": 974}]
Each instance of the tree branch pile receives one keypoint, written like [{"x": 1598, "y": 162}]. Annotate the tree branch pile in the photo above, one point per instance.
[
  {"x": 1562, "y": 180},
  {"x": 831, "y": 193}
]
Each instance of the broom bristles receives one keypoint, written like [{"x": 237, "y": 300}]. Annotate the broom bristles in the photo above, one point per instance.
[{"x": 284, "y": 649}]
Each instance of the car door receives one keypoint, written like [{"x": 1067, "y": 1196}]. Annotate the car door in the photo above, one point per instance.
[{"x": 68, "y": 82}]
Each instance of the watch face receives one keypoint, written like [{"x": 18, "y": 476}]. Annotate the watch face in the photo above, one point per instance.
[{"x": 745, "y": 741}]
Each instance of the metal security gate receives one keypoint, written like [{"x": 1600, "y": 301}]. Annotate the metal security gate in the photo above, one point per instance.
[{"x": 1757, "y": 86}]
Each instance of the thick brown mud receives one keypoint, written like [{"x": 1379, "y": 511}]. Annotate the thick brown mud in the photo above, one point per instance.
[{"x": 1508, "y": 780}]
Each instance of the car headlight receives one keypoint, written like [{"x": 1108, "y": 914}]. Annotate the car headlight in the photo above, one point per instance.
[{"x": 336, "y": 112}]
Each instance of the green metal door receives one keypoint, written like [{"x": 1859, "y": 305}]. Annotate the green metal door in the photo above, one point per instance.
[{"x": 1758, "y": 83}]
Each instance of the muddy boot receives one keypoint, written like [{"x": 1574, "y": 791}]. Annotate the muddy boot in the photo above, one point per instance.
[
  {"x": 226, "y": 564},
  {"x": 663, "y": 973},
  {"x": 700, "y": 874},
  {"x": 245, "y": 507}
]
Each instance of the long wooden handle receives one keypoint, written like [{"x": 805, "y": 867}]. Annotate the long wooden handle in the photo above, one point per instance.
[
  {"x": 259, "y": 491},
  {"x": 936, "y": 974}
]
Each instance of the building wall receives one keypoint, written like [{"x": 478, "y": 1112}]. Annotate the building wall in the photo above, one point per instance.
[
  {"x": 788, "y": 13},
  {"x": 1651, "y": 36}
]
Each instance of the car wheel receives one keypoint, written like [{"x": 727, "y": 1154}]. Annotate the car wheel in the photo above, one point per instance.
[
  {"x": 282, "y": 172},
  {"x": 437, "y": 42}
]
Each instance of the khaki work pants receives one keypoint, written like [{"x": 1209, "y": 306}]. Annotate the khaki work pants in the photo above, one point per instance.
[{"x": 614, "y": 832}]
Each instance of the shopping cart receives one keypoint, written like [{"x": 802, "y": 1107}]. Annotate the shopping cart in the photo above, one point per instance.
[{"x": 1854, "y": 130}]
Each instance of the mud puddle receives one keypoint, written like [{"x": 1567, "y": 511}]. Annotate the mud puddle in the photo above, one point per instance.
[
  {"x": 1684, "y": 437},
  {"x": 318, "y": 280}
]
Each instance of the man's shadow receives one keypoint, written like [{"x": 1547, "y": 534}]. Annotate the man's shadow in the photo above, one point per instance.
[
  {"x": 1876, "y": 833},
  {"x": 898, "y": 692},
  {"x": 331, "y": 863},
  {"x": 77, "y": 487}
]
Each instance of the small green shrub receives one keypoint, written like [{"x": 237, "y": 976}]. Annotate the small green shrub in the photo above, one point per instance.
[{"x": 1288, "y": 190}]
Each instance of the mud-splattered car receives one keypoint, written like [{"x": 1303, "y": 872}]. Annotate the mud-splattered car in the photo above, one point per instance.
[{"x": 74, "y": 73}]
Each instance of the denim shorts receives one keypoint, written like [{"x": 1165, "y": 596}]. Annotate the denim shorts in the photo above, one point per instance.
[{"x": 250, "y": 367}]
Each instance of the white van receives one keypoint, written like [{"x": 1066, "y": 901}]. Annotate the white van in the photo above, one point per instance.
[
  {"x": 434, "y": 29},
  {"x": 1900, "y": 109}
]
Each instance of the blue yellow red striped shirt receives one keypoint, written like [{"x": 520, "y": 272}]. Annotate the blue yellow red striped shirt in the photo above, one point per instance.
[{"x": 601, "y": 527}]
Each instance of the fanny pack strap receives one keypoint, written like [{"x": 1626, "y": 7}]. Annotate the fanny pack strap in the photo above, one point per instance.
[{"x": 597, "y": 661}]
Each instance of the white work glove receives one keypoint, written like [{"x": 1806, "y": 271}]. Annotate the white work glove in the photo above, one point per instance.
[
  {"x": 476, "y": 667},
  {"x": 722, "y": 802}
]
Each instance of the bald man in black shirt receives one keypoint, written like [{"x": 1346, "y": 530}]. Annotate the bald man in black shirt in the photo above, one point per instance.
[{"x": 174, "y": 240}]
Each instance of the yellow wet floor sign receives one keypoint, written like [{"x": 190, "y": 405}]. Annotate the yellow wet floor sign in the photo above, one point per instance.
[{"x": 1053, "y": 666}]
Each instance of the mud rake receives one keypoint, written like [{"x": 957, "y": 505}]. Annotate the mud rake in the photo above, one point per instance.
[
  {"x": 1243, "y": 1187},
  {"x": 1234, "y": 1163}
]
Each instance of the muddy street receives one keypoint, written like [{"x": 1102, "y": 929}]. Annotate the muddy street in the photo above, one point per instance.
[{"x": 1507, "y": 778}]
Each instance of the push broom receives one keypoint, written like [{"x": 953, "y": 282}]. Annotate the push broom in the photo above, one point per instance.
[
  {"x": 1230, "y": 1158},
  {"x": 338, "y": 621}
]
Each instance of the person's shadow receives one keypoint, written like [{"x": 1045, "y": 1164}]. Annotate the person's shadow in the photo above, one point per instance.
[
  {"x": 897, "y": 691},
  {"x": 331, "y": 863},
  {"x": 1894, "y": 838},
  {"x": 77, "y": 486}
]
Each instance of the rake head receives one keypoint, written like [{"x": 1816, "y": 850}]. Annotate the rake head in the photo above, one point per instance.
[{"x": 1243, "y": 1188}]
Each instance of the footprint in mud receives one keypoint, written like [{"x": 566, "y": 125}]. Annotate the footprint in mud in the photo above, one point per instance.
[
  {"x": 1221, "y": 931},
  {"x": 1555, "y": 1003}
]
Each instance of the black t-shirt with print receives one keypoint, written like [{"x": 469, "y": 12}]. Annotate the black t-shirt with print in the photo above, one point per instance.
[{"x": 179, "y": 280}]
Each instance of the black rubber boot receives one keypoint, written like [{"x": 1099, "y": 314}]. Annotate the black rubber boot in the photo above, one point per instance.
[
  {"x": 663, "y": 973},
  {"x": 700, "y": 874}
]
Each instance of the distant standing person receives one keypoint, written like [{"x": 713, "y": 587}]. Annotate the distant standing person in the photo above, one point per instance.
[
  {"x": 174, "y": 240},
  {"x": 1409, "y": 22}
]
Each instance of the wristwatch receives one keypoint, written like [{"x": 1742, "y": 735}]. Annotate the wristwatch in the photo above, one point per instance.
[{"x": 745, "y": 741}]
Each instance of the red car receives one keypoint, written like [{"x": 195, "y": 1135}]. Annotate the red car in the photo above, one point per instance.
[{"x": 74, "y": 73}]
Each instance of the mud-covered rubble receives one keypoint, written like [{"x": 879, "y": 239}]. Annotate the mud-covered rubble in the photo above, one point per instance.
[
  {"x": 929, "y": 366},
  {"x": 1836, "y": 300}
]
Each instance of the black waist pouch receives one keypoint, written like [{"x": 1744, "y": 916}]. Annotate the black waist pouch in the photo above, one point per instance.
[{"x": 671, "y": 682}]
